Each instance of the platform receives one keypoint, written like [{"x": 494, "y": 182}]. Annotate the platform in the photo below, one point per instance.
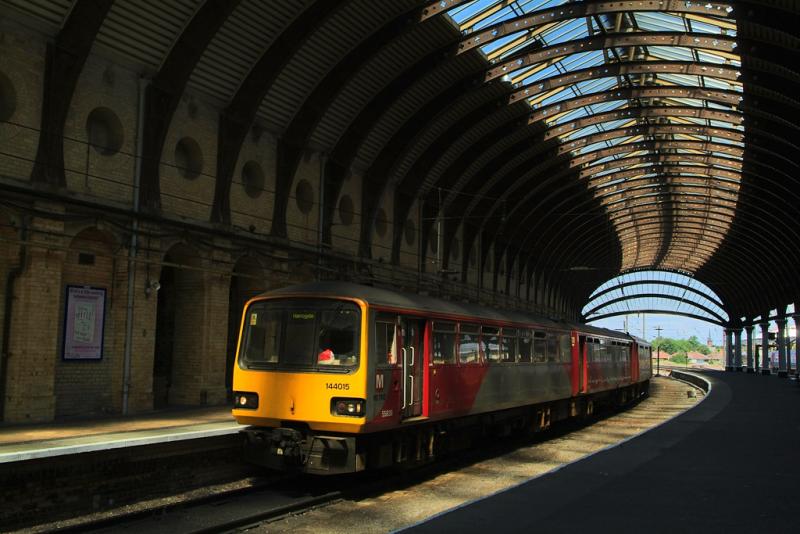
[
  {"x": 730, "y": 464},
  {"x": 27, "y": 442}
]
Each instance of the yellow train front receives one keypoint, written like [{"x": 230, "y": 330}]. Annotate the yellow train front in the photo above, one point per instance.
[{"x": 300, "y": 380}]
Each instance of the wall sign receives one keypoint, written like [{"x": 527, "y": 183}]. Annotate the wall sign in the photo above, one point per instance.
[{"x": 84, "y": 323}]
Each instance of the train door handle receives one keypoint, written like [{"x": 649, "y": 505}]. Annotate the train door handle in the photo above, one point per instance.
[
  {"x": 413, "y": 352},
  {"x": 405, "y": 372},
  {"x": 412, "y": 389}
]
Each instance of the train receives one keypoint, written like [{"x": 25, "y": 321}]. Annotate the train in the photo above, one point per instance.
[{"x": 337, "y": 377}]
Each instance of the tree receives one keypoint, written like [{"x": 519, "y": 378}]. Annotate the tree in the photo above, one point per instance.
[{"x": 679, "y": 357}]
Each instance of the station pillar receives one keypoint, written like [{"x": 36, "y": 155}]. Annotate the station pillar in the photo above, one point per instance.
[
  {"x": 765, "y": 359},
  {"x": 737, "y": 349},
  {"x": 728, "y": 349},
  {"x": 751, "y": 365},
  {"x": 782, "y": 369},
  {"x": 796, "y": 319}
]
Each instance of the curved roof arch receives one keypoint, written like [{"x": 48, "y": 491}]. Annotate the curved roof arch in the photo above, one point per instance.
[{"x": 666, "y": 291}]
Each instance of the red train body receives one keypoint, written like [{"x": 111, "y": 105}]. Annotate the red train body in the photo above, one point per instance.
[{"x": 336, "y": 377}]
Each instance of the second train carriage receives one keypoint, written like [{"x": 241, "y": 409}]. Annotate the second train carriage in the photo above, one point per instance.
[{"x": 335, "y": 377}]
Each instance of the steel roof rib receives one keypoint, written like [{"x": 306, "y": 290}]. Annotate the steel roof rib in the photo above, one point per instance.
[{"x": 663, "y": 87}]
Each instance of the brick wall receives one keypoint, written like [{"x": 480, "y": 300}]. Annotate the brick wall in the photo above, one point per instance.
[
  {"x": 302, "y": 227},
  {"x": 256, "y": 211},
  {"x": 93, "y": 169},
  {"x": 345, "y": 237},
  {"x": 184, "y": 197},
  {"x": 409, "y": 252},
  {"x": 35, "y": 327},
  {"x": 85, "y": 388}
]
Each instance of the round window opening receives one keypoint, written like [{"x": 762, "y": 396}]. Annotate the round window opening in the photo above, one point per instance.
[
  {"x": 8, "y": 98},
  {"x": 410, "y": 232},
  {"x": 104, "y": 131},
  {"x": 346, "y": 210},
  {"x": 304, "y": 195},
  {"x": 380, "y": 223},
  {"x": 188, "y": 158},
  {"x": 253, "y": 179}
]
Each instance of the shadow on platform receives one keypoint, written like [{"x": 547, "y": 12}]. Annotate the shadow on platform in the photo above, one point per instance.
[{"x": 730, "y": 464}]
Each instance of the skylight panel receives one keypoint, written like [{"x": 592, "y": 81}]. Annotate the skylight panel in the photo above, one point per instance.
[
  {"x": 582, "y": 60},
  {"x": 704, "y": 27},
  {"x": 465, "y": 12},
  {"x": 659, "y": 22},
  {"x": 722, "y": 124},
  {"x": 706, "y": 56},
  {"x": 726, "y": 141},
  {"x": 671, "y": 53},
  {"x": 716, "y": 83},
  {"x": 681, "y": 79},
  {"x": 569, "y": 30}
]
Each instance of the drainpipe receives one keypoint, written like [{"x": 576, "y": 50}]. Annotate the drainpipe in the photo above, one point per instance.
[
  {"x": 132, "y": 251},
  {"x": 8, "y": 308}
]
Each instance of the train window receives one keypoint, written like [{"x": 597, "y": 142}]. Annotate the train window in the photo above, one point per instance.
[
  {"x": 524, "y": 346},
  {"x": 565, "y": 342},
  {"x": 444, "y": 342},
  {"x": 539, "y": 347},
  {"x": 262, "y": 337},
  {"x": 508, "y": 345},
  {"x": 490, "y": 343},
  {"x": 468, "y": 350},
  {"x": 300, "y": 333},
  {"x": 337, "y": 334},
  {"x": 552, "y": 348},
  {"x": 386, "y": 342}
]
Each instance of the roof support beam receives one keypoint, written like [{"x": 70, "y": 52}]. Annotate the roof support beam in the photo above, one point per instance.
[
  {"x": 235, "y": 121},
  {"x": 163, "y": 93},
  {"x": 64, "y": 62}
]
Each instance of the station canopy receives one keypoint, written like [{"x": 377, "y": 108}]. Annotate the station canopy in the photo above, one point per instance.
[{"x": 653, "y": 107}]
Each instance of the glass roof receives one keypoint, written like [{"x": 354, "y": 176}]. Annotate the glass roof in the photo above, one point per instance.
[
  {"x": 655, "y": 290},
  {"x": 644, "y": 98}
]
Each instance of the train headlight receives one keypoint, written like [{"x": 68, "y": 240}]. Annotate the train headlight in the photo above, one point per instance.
[
  {"x": 351, "y": 407},
  {"x": 245, "y": 400}
]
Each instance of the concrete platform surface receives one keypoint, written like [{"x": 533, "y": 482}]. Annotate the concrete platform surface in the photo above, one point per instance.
[
  {"x": 730, "y": 464},
  {"x": 26, "y": 442}
]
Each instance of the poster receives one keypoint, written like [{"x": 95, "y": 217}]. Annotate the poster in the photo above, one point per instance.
[{"x": 84, "y": 321}]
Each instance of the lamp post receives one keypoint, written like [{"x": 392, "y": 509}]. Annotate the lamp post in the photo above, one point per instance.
[{"x": 658, "y": 351}]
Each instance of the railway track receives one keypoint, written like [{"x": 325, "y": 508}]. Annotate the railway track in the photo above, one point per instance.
[{"x": 371, "y": 502}]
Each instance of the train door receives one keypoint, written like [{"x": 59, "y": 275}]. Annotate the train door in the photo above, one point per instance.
[
  {"x": 634, "y": 356},
  {"x": 582, "y": 348},
  {"x": 412, "y": 356}
]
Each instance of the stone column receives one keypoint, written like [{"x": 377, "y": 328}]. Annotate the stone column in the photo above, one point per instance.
[
  {"x": 737, "y": 349},
  {"x": 728, "y": 349},
  {"x": 796, "y": 318},
  {"x": 781, "y": 322},
  {"x": 765, "y": 363},
  {"x": 751, "y": 365}
]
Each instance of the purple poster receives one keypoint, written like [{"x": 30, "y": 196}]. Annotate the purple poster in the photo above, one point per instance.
[{"x": 83, "y": 323}]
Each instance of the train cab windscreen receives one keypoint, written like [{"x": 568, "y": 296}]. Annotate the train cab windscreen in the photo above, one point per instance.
[{"x": 301, "y": 334}]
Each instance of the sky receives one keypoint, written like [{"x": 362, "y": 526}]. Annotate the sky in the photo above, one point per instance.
[{"x": 672, "y": 326}]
